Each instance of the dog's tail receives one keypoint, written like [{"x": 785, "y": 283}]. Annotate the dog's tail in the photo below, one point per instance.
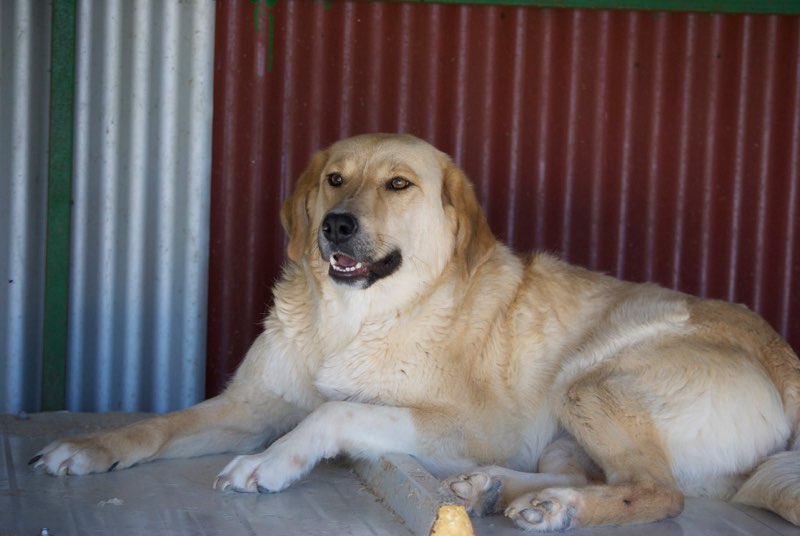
[{"x": 775, "y": 485}]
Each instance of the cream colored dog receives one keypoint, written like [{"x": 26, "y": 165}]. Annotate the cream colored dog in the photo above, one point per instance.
[{"x": 401, "y": 325}]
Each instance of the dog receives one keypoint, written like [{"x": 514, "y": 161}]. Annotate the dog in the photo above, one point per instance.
[{"x": 559, "y": 396}]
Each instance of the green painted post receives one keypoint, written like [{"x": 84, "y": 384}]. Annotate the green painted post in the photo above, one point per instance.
[{"x": 59, "y": 192}]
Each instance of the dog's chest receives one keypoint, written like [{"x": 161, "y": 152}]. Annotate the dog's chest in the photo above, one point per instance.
[{"x": 378, "y": 367}]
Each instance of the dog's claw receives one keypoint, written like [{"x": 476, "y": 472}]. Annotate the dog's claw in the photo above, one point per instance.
[
  {"x": 222, "y": 483},
  {"x": 113, "y": 466},
  {"x": 64, "y": 469},
  {"x": 35, "y": 460}
]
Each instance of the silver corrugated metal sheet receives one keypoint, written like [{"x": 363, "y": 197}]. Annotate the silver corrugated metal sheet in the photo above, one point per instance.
[
  {"x": 144, "y": 78},
  {"x": 24, "y": 82}
]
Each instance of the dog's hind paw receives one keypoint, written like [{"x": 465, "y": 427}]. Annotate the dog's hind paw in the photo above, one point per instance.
[
  {"x": 480, "y": 492},
  {"x": 549, "y": 510}
]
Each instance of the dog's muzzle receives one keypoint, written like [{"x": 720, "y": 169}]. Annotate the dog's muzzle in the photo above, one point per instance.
[{"x": 349, "y": 253}]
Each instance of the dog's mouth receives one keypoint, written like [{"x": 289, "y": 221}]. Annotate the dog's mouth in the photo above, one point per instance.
[
  {"x": 344, "y": 266},
  {"x": 346, "y": 269}
]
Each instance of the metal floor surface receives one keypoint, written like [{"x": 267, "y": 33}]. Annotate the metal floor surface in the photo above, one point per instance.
[{"x": 174, "y": 497}]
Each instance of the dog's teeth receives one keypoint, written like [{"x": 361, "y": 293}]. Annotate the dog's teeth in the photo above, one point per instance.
[{"x": 345, "y": 269}]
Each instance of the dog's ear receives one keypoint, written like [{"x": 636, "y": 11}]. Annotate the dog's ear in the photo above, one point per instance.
[
  {"x": 295, "y": 212},
  {"x": 475, "y": 241}
]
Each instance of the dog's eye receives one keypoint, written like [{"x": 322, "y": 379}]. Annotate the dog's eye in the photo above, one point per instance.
[
  {"x": 398, "y": 183},
  {"x": 334, "y": 179}
]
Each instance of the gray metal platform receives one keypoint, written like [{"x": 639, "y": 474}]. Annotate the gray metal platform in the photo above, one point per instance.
[{"x": 175, "y": 497}]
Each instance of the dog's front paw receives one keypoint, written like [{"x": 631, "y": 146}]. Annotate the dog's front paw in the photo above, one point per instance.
[
  {"x": 480, "y": 491},
  {"x": 267, "y": 472},
  {"x": 547, "y": 510},
  {"x": 79, "y": 456}
]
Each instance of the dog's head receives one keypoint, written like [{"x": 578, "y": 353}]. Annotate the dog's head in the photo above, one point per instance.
[{"x": 380, "y": 205}]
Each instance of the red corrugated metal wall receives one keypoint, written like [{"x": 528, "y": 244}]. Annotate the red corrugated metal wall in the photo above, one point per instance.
[{"x": 654, "y": 146}]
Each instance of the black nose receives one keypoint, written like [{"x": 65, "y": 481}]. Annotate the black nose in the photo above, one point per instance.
[{"x": 339, "y": 227}]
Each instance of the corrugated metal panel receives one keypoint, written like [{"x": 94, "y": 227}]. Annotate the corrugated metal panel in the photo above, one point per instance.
[
  {"x": 654, "y": 146},
  {"x": 140, "y": 215},
  {"x": 24, "y": 82}
]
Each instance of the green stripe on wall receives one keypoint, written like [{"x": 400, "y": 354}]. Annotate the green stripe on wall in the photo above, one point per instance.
[
  {"x": 713, "y": 6},
  {"x": 59, "y": 190}
]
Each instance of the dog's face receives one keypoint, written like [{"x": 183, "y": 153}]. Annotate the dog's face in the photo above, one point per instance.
[{"x": 379, "y": 207}]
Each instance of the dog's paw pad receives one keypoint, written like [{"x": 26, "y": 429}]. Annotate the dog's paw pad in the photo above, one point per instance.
[
  {"x": 479, "y": 491},
  {"x": 537, "y": 513}
]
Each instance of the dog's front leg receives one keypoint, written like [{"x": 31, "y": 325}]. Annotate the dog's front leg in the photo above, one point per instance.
[
  {"x": 248, "y": 414},
  {"x": 221, "y": 424},
  {"x": 358, "y": 430}
]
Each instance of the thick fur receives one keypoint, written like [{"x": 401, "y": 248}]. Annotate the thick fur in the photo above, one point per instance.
[{"x": 622, "y": 397}]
